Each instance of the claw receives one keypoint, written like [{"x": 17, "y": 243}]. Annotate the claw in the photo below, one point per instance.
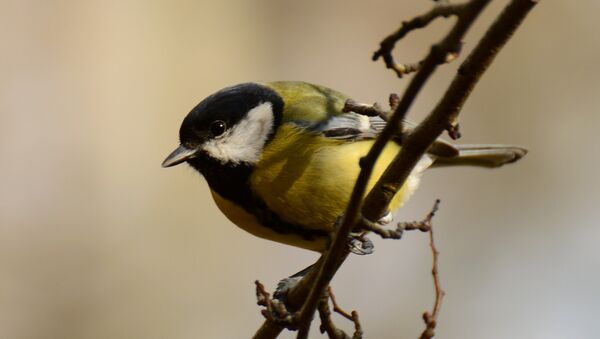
[{"x": 360, "y": 244}]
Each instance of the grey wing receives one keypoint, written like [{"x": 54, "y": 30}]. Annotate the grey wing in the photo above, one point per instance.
[
  {"x": 349, "y": 126},
  {"x": 354, "y": 127}
]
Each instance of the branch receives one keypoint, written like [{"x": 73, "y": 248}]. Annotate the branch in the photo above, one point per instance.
[
  {"x": 338, "y": 248},
  {"x": 430, "y": 319},
  {"x": 423, "y": 225},
  {"x": 445, "y": 115},
  {"x": 387, "y": 45},
  {"x": 307, "y": 293},
  {"x": 275, "y": 311},
  {"x": 373, "y": 110},
  {"x": 327, "y": 324}
]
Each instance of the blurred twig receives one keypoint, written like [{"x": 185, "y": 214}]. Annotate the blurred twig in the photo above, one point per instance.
[
  {"x": 445, "y": 115},
  {"x": 327, "y": 325},
  {"x": 373, "y": 110},
  {"x": 386, "y": 46}
]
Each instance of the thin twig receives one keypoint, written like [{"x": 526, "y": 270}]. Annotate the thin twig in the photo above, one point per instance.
[
  {"x": 421, "y": 225},
  {"x": 430, "y": 319},
  {"x": 373, "y": 110},
  {"x": 275, "y": 310},
  {"x": 352, "y": 316},
  {"x": 445, "y": 115},
  {"x": 327, "y": 324},
  {"x": 387, "y": 45}
]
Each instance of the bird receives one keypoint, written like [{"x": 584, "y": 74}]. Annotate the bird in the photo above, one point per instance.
[{"x": 281, "y": 158}]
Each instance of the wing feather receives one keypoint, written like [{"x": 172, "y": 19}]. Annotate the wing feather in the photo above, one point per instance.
[{"x": 319, "y": 109}]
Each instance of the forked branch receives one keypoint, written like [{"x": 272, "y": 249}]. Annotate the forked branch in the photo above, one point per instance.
[
  {"x": 442, "y": 10},
  {"x": 327, "y": 324}
]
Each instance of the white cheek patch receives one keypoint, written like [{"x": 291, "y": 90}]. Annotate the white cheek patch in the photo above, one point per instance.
[{"x": 243, "y": 142}]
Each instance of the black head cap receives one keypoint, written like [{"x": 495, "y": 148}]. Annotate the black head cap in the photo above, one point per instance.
[
  {"x": 219, "y": 112},
  {"x": 228, "y": 105}
]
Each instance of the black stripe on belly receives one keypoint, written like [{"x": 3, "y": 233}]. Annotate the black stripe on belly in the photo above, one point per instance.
[{"x": 233, "y": 183}]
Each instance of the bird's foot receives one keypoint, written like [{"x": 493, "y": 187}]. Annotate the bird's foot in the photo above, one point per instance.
[{"x": 358, "y": 243}]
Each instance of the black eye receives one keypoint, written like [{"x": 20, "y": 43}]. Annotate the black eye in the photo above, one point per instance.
[{"x": 217, "y": 127}]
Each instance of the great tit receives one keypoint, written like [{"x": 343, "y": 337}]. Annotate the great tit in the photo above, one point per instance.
[{"x": 281, "y": 158}]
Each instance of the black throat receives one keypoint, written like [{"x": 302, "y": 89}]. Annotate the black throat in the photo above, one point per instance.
[{"x": 231, "y": 182}]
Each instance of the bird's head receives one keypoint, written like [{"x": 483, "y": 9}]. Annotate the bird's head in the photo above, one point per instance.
[{"x": 230, "y": 127}]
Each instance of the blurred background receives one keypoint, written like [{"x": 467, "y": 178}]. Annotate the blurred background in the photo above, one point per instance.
[{"x": 98, "y": 241}]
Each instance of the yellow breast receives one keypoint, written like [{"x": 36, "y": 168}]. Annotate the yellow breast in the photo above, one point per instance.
[{"x": 308, "y": 179}]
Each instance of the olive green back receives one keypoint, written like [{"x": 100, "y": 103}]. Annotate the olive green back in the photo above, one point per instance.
[{"x": 308, "y": 102}]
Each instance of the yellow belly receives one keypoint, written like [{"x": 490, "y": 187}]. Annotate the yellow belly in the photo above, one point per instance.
[
  {"x": 249, "y": 223},
  {"x": 308, "y": 179}
]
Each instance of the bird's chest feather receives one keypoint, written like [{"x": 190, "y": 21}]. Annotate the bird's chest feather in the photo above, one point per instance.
[
  {"x": 233, "y": 195},
  {"x": 308, "y": 179}
]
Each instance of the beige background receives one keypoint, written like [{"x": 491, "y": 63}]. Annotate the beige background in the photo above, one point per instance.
[{"x": 97, "y": 241}]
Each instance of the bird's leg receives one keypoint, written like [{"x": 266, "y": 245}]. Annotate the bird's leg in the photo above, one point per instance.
[{"x": 358, "y": 243}]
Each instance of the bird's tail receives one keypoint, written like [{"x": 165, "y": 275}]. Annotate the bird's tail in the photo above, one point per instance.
[{"x": 481, "y": 155}]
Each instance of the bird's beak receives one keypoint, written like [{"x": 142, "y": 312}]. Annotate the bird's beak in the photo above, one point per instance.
[{"x": 179, "y": 155}]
